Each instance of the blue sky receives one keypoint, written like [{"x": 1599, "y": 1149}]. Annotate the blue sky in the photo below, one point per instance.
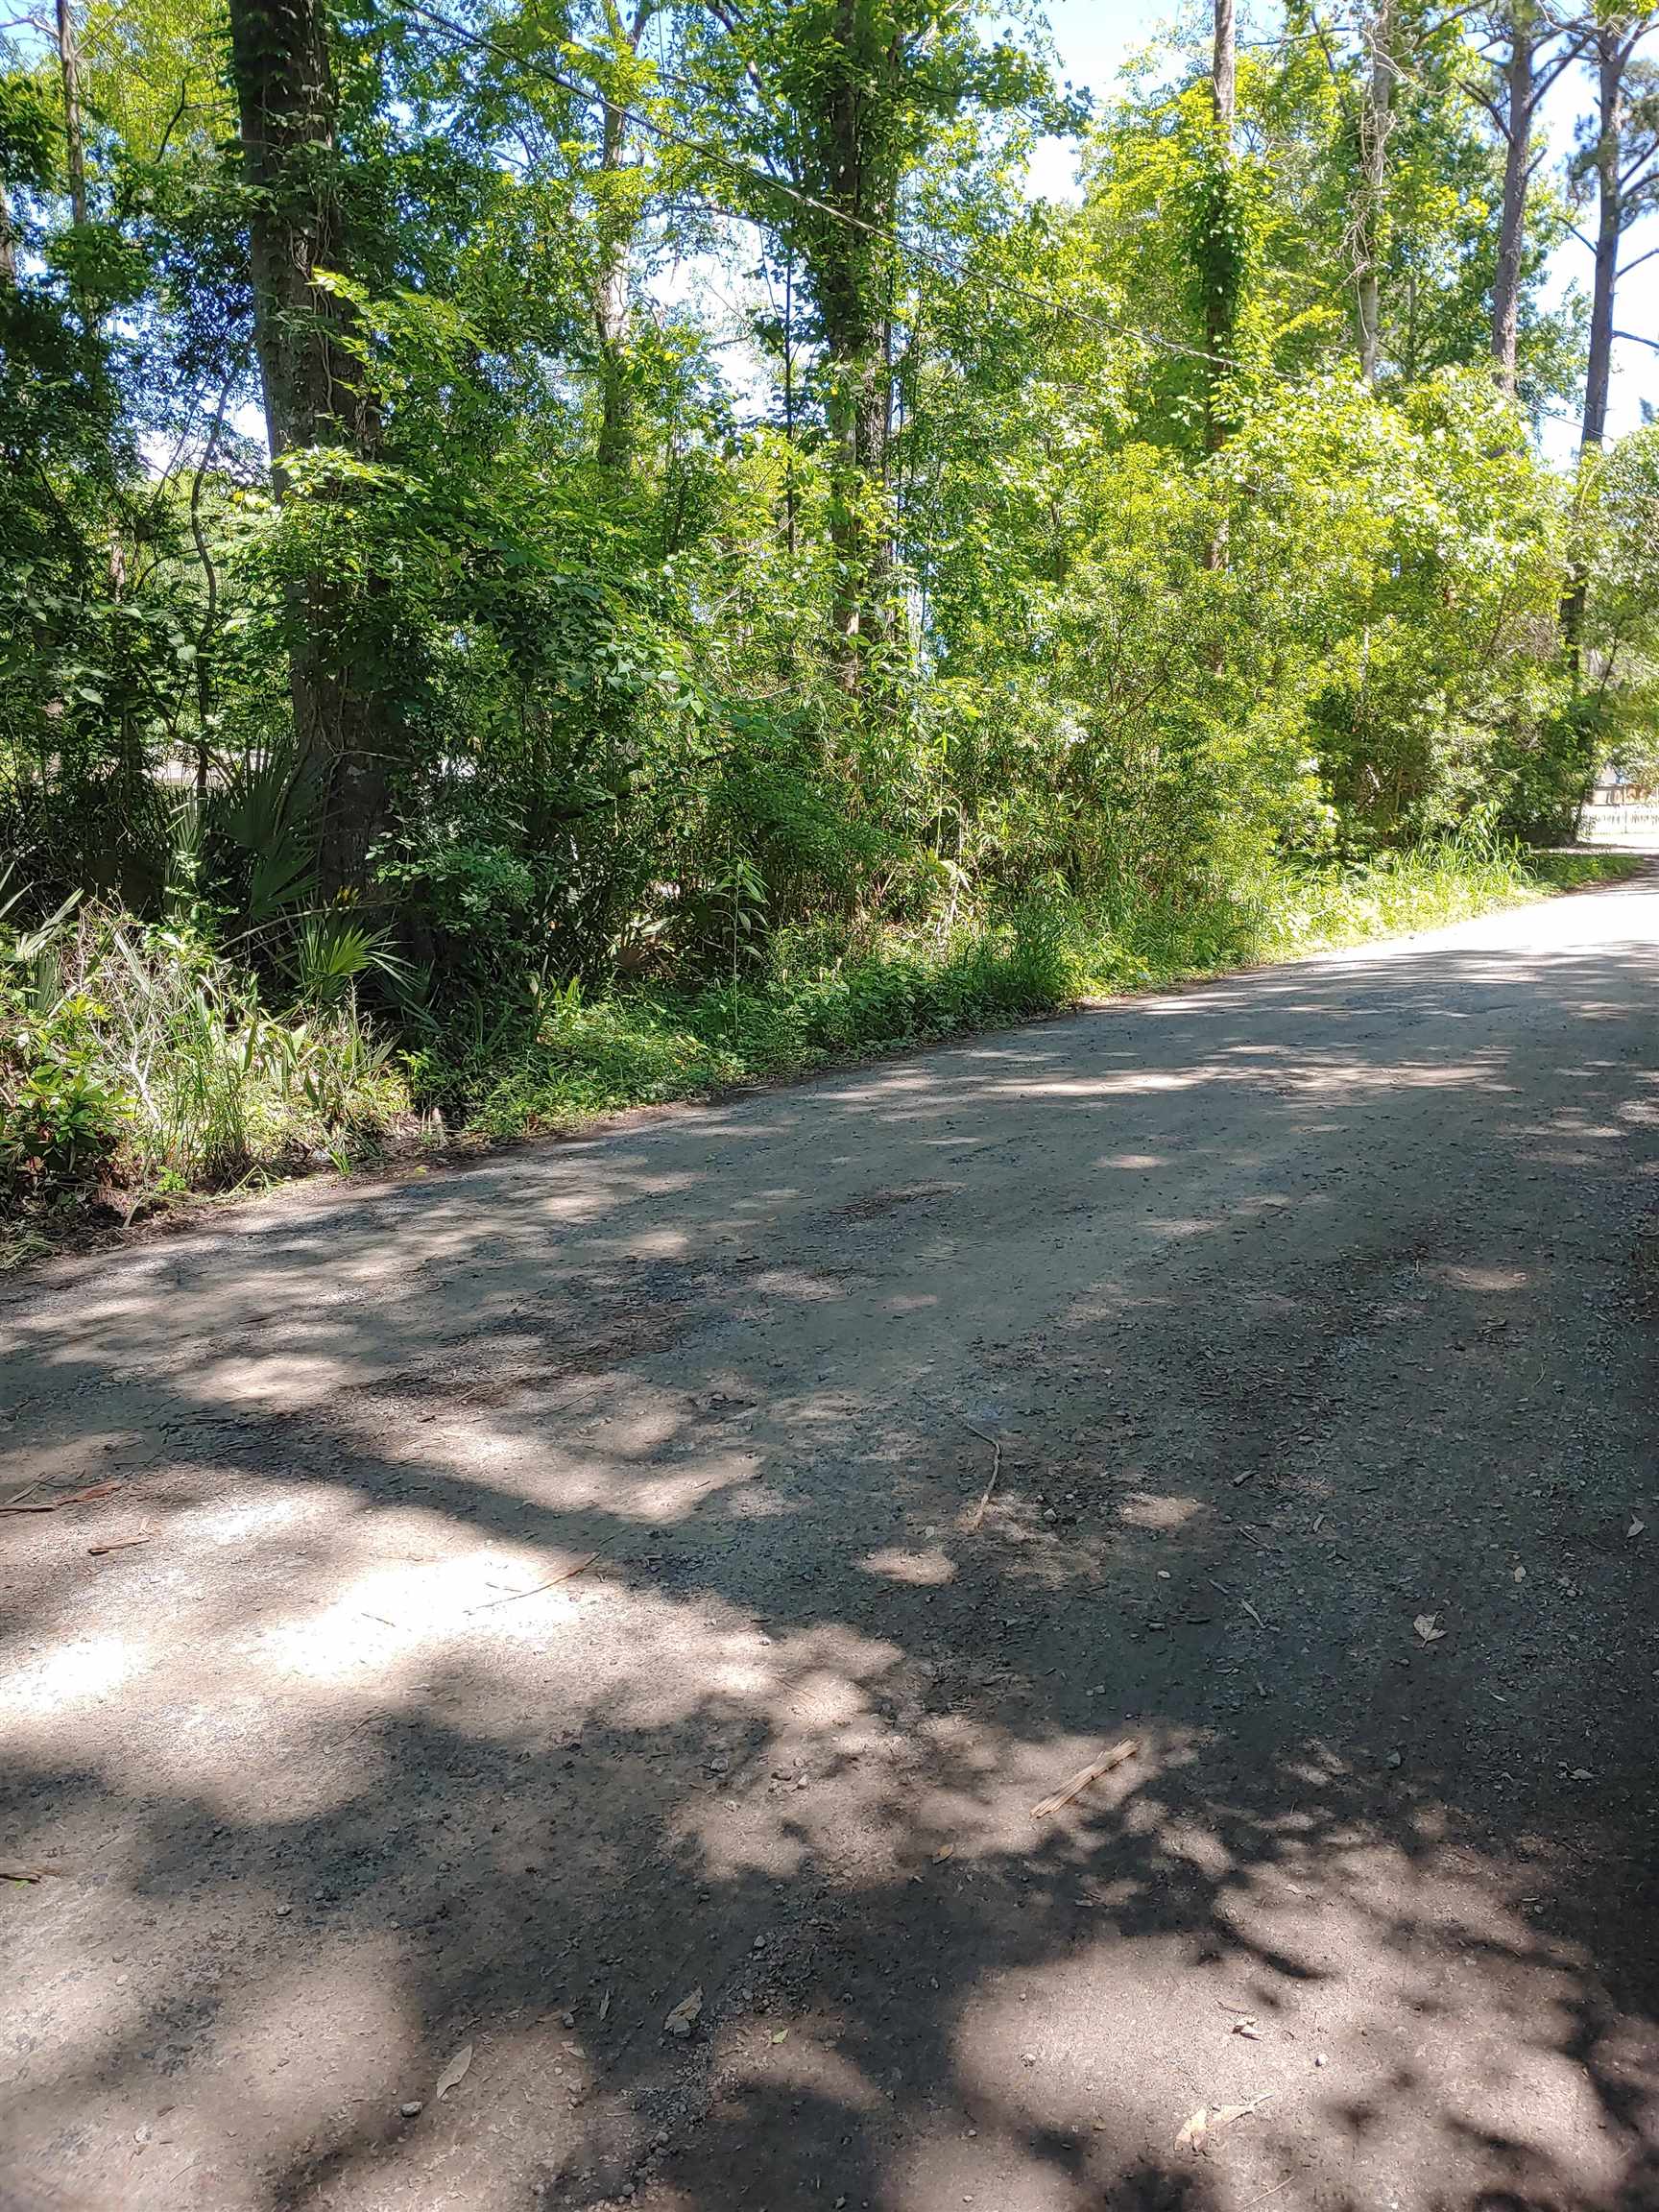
[{"x": 1093, "y": 37}]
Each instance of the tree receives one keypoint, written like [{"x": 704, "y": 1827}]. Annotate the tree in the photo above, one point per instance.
[
  {"x": 314, "y": 392},
  {"x": 617, "y": 214},
  {"x": 1538, "y": 51},
  {"x": 74, "y": 137},
  {"x": 844, "y": 99},
  {"x": 1621, "y": 157},
  {"x": 936, "y": 546},
  {"x": 1221, "y": 275},
  {"x": 1376, "y": 121}
]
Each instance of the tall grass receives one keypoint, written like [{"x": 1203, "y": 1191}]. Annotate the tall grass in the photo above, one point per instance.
[
  {"x": 808, "y": 1009},
  {"x": 196, "y": 1084},
  {"x": 141, "y": 1058}
]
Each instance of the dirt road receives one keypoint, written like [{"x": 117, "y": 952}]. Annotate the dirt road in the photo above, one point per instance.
[{"x": 1307, "y": 1324}]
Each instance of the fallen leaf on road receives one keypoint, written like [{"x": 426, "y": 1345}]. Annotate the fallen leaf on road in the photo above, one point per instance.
[
  {"x": 605, "y": 2005},
  {"x": 1209, "y": 2118},
  {"x": 1248, "y": 2026},
  {"x": 685, "y": 2014},
  {"x": 30, "y": 1874},
  {"x": 1636, "y": 1528},
  {"x": 943, "y": 1853},
  {"x": 1194, "y": 2129},
  {"x": 1228, "y": 2113},
  {"x": 1081, "y": 1780},
  {"x": 454, "y": 2072},
  {"x": 1520, "y": 1574},
  {"x": 780, "y": 2035},
  {"x": 1427, "y": 1626}
]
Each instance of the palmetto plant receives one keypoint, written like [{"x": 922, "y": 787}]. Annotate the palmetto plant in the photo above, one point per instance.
[{"x": 333, "y": 951}]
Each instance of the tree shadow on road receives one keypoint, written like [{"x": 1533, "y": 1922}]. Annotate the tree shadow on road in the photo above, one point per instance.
[{"x": 1279, "y": 1333}]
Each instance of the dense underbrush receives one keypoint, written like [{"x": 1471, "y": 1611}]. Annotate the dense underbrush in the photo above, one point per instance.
[{"x": 138, "y": 1063}]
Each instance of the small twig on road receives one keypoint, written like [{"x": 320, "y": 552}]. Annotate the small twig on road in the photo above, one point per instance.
[
  {"x": 1273, "y": 2192},
  {"x": 70, "y": 1498},
  {"x": 972, "y": 1424},
  {"x": 978, "y": 1513},
  {"x": 1255, "y": 1616},
  {"x": 120, "y": 1543},
  {"x": 1079, "y": 1782},
  {"x": 986, "y": 1437},
  {"x": 552, "y": 1582}
]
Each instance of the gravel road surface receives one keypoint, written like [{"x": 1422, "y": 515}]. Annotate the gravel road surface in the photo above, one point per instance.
[{"x": 662, "y": 1574}]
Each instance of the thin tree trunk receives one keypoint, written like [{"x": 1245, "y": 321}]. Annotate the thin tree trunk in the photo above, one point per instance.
[
  {"x": 611, "y": 308},
  {"x": 611, "y": 301},
  {"x": 1376, "y": 120},
  {"x": 74, "y": 137},
  {"x": 313, "y": 396},
  {"x": 205, "y": 635},
  {"x": 1612, "y": 53},
  {"x": 1521, "y": 92},
  {"x": 1221, "y": 287},
  {"x": 1612, "y": 46},
  {"x": 789, "y": 403},
  {"x": 8, "y": 241}
]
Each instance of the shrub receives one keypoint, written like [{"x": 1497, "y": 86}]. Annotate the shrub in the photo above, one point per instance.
[{"x": 141, "y": 1056}]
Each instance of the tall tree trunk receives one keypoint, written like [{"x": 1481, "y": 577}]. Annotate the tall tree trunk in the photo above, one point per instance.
[
  {"x": 848, "y": 72},
  {"x": 1612, "y": 55},
  {"x": 1375, "y": 118},
  {"x": 74, "y": 137},
  {"x": 313, "y": 393},
  {"x": 616, "y": 223},
  {"x": 1527, "y": 77},
  {"x": 8, "y": 241},
  {"x": 789, "y": 403},
  {"x": 857, "y": 415},
  {"x": 1612, "y": 46},
  {"x": 1221, "y": 289},
  {"x": 611, "y": 318},
  {"x": 851, "y": 294},
  {"x": 1520, "y": 94}
]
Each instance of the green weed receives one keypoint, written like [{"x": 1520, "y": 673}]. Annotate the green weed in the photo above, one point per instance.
[{"x": 809, "y": 1009}]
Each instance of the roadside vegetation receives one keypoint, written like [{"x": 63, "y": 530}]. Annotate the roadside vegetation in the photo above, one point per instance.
[
  {"x": 143, "y": 1065},
  {"x": 589, "y": 1057},
  {"x": 553, "y": 557}
]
